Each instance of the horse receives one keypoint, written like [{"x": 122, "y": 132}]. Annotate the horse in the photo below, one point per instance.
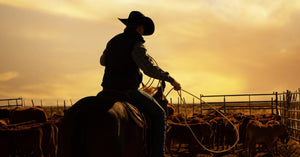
[{"x": 102, "y": 125}]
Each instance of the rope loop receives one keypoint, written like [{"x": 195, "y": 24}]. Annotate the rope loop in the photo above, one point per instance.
[{"x": 179, "y": 92}]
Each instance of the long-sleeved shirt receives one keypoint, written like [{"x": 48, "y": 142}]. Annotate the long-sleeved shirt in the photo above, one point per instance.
[{"x": 144, "y": 62}]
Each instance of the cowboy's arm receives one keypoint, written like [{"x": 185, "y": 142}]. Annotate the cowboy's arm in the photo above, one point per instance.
[{"x": 145, "y": 62}]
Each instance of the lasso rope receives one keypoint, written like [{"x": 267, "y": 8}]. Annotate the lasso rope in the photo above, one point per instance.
[
  {"x": 182, "y": 100},
  {"x": 194, "y": 135}
]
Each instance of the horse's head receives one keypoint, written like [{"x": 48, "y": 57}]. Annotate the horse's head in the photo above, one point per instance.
[{"x": 158, "y": 94}]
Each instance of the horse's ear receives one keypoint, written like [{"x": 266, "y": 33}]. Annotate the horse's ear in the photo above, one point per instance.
[{"x": 163, "y": 85}]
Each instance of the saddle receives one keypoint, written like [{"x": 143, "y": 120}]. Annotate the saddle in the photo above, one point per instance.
[
  {"x": 133, "y": 112},
  {"x": 142, "y": 120}
]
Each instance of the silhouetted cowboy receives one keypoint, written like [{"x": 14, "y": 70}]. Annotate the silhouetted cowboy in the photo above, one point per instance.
[{"x": 123, "y": 58}]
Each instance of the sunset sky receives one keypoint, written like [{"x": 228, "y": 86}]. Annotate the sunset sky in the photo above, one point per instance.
[{"x": 50, "y": 49}]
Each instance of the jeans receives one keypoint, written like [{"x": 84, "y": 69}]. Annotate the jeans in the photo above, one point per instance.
[{"x": 147, "y": 104}]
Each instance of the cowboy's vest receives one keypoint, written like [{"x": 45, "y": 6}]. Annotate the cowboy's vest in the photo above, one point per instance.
[{"x": 121, "y": 72}]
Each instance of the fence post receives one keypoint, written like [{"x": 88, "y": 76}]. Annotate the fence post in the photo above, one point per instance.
[
  {"x": 185, "y": 107},
  {"x": 193, "y": 105},
  {"x": 64, "y": 104},
  {"x": 57, "y": 104},
  {"x": 288, "y": 103},
  {"x": 272, "y": 105},
  {"x": 276, "y": 103},
  {"x": 224, "y": 107},
  {"x": 250, "y": 105},
  {"x": 201, "y": 108},
  {"x": 178, "y": 104}
]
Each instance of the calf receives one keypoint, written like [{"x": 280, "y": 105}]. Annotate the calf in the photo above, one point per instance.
[{"x": 258, "y": 133}]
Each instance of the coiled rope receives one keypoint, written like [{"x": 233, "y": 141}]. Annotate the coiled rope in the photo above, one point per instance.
[{"x": 194, "y": 135}]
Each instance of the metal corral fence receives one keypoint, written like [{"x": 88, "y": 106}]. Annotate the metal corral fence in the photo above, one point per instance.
[
  {"x": 285, "y": 104},
  {"x": 246, "y": 103},
  {"x": 13, "y": 102},
  {"x": 289, "y": 109}
]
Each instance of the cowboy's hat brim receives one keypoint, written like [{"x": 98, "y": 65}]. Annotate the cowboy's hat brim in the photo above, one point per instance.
[{"x": 146, "y": 22}]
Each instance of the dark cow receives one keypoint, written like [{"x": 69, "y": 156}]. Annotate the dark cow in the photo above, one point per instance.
[
  {"x": 5, "y": 112},
  {"x": 49, "y": 139},
  {"x": 22, "y": 141},
  {"x": 230, "y": 131},
  {"x": 180, "y": 133},
  {"x": 23, "y": 114}
]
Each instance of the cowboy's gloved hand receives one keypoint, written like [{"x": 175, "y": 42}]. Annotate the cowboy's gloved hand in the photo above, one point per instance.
[{"x": 176, "y": 85}]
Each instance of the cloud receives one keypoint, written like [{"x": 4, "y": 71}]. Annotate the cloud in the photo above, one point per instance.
[
  {"x": 55, "y": 7},
  {"x": 6, "y": 76},
  {"x": 208, "y": 46}
]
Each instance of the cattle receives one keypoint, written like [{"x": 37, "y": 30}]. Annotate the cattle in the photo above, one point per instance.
[
  {"x": 21, "y": 141},
  {"x": 49, "y": 139},
  {"x": 23, "y": 114},
  {"x": 258, "y": 133},
  {"x": 230, "y": 131},
  {"x": 29, "y": 141},
  {"x": 4, "y": 122},
  {"x": 20, "y": 133},
  {"x": 5, "y": 112},
  {"x": 214, "y": 124},
  {"x": 178, "y": 118},
  {"x": 243, "y": 126},
  {"x": 220, "y": 135},
  {"x": 180, "y": 133}
]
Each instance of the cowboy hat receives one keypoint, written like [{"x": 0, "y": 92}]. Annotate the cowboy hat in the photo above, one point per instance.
[{"x": 136, "y": 18}]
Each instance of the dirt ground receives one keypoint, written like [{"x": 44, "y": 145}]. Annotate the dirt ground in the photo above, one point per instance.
[{"x": 291, "y": 149}]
